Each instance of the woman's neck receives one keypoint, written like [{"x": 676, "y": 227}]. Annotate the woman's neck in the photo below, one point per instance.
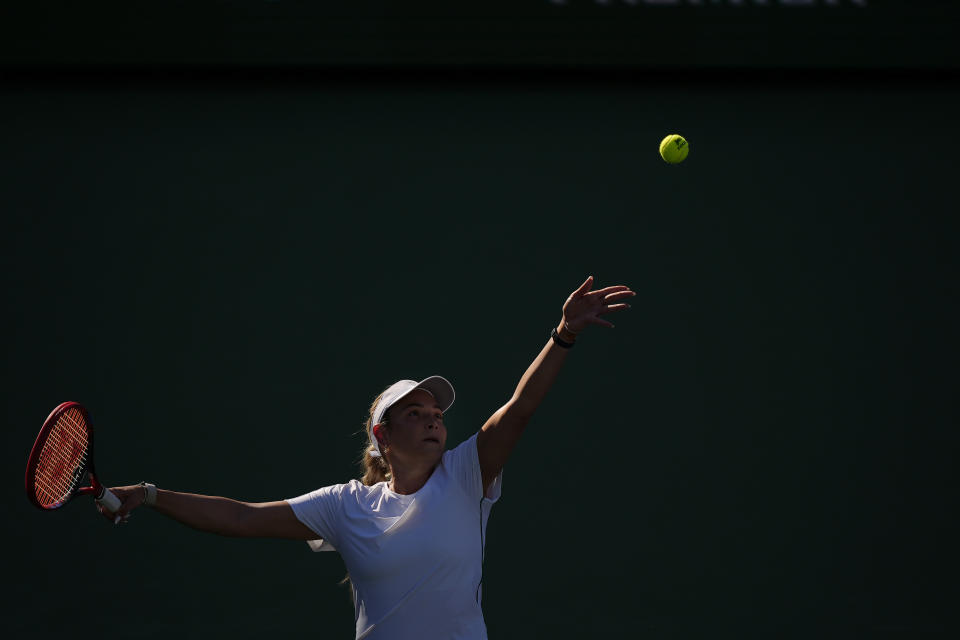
[{"x": 409, "y": 480}]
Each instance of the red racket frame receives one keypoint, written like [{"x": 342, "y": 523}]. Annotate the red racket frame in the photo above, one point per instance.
[{"x": 95, "y": 488}]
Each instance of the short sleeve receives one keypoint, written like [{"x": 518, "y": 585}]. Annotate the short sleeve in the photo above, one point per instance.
[
  {"x": 320, "y": 510},
  {"x": 463, "y": 463}
]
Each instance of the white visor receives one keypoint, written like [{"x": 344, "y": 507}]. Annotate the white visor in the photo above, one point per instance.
[{"x": 438, "y": 387}]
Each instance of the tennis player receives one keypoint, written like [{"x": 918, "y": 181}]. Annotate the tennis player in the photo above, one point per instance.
[{"x": 411, "y": 532}]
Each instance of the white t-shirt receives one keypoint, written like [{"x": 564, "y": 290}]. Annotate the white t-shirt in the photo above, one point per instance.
[{"x": 414, "y": 560}]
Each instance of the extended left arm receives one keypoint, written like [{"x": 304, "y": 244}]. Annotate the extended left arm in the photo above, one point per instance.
[{"x": 499, "y": 435}]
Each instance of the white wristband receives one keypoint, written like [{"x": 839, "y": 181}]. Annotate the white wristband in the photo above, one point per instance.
[{"x": 149, "y": 493}]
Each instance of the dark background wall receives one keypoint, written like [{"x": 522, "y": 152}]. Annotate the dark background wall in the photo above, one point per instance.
[
  {"x": 877, "y": 34},
  {"x": 226, "y": 266}
]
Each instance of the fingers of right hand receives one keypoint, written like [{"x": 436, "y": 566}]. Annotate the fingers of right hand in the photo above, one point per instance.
[
  {"x": 130, "y": 498},
  {"x": 113, "y": 517}
]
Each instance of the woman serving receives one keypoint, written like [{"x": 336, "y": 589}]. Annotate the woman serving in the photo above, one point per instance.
[{"x": 411, "y": 531}]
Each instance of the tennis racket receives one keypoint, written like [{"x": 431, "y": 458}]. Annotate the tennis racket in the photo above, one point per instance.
[{"x": 60, "y": 457}]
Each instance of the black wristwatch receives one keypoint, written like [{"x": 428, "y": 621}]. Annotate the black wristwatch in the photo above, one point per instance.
[{"x": 560, "y": 342}]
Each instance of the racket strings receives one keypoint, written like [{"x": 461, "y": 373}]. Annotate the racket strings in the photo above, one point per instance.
[
  {"x": 61, "y": 463},
  {"x": 62, "y": 459}
]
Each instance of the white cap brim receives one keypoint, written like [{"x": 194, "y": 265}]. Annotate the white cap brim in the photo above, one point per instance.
[{"x": 437, "y": 386}]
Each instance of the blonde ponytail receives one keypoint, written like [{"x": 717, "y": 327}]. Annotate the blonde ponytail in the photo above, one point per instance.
[{"x": 375, "y": 469}]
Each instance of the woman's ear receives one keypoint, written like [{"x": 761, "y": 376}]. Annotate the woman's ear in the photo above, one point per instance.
[{"x": 380, "y": 433}]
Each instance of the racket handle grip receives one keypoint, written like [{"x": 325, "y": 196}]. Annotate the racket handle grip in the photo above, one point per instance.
[{"x": 109, "y": 501}]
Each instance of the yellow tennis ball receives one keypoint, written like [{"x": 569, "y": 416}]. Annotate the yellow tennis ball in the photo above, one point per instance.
[{"x": 674, "y": 148}]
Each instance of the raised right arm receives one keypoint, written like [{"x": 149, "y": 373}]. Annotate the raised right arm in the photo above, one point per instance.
[{"x": 223, "y": 516}]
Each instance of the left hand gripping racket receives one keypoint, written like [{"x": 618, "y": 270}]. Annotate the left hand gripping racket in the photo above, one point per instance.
[{"x": 60, "y": 457}]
